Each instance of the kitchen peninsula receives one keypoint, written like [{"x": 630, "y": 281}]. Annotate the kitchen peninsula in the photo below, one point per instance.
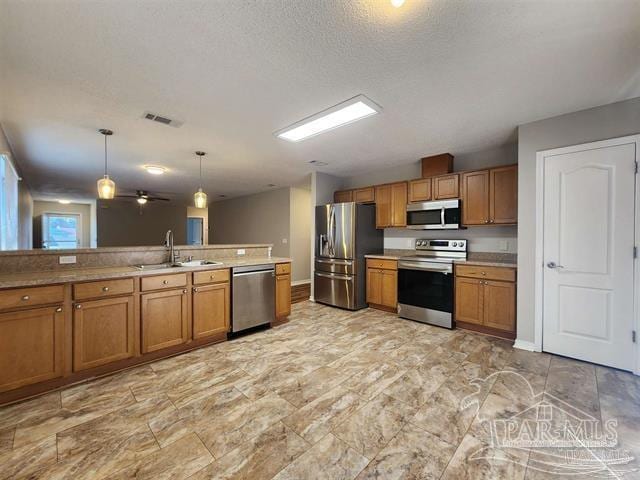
[{"x": 61, "y": 323}]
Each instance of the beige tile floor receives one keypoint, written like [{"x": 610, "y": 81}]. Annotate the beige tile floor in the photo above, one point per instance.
[{"x": 332, "y": 394}]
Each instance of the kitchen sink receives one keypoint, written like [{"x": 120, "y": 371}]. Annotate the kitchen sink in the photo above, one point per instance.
[
  {"x": 155, "y": 266},
  {"x": 197, "y": 263}
]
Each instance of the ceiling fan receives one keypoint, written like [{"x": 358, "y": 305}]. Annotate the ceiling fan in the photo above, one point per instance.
[{"x": 143, "y": 196}]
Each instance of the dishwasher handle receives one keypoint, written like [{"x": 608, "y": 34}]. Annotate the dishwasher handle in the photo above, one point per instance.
[{"x": 256, "y": 272}]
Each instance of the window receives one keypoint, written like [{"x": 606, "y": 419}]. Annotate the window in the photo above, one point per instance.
[
  {"x": 8, "y": 205},
  {"x": 60, "y": 230}
]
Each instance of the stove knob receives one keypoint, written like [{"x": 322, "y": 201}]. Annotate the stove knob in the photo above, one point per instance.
[
  {"x": 455, "y": 244},
  {"x": 462, "y": 244}
]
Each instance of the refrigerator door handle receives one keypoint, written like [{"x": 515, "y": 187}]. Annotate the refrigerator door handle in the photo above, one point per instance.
[{"x": 335, "y": 262}]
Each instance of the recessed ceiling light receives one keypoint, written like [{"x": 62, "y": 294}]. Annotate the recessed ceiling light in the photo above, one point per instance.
[
  {"x": 397, "y": 3},
  {"x": 155, "y": 169},
  {"x": 349, "y": 111},
  {"x": 64, "y": 202}
]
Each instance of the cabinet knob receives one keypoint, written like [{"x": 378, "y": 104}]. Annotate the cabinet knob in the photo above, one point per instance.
[
  {"x": 25, "y": 298},
  {"x": 165, "y": 282},
  {"x": 211, "y": 277},
  {"x": 105, "y": 289},
  {"x": 78, "y": 306},
  {"x": 483, "y": 273},
  {"x": 490, "y": 221},
  {"x": 195, "y": 289},
  {"x": 184, "y": 291},
  {"x": 486, "y": 221},
  {"x": 59, "y": 309}
]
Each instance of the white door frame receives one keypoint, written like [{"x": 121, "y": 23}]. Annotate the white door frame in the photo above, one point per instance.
[{"x": 539, "y": 247}]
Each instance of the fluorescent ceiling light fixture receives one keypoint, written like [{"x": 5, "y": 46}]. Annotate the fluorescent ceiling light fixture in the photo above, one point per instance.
[
  {"x": 155, "y": 169},
  {"x": 344, "y": 113}
]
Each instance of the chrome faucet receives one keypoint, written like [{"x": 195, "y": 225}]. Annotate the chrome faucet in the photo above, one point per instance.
[{"x": 168, "y": 243}]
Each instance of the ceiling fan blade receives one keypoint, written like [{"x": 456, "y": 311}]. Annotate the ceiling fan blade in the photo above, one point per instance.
[
  {"x": 126, "y": 196},
  {"x": 152, "y": 199}
]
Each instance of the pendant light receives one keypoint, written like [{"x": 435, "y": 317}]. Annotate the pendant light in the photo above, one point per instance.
[
  {"x": 106, "y": 186},
  {"x": 200, "y": 198}
]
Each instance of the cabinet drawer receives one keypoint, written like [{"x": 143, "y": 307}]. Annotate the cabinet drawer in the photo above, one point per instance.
[
  {"x": 164, "y": 281},
  {"x": 283, "y": 268},
  {"x": 28, "y": 297},
  {"x": 381, "y": 263},
  {"x": 487, "y": 273},
  {"x": 210, "y": 276},
  {"x": 103, "y": 288}
]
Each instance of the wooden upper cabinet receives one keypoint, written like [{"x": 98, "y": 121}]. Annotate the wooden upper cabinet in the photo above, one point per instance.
[
  {"x": 211, "y": 310},
  {"x": 31, "y": 346},
  {"x": 103, "y": 331},
  {"x": 420, "y": 190},
  {"x": 283, "y": 296},
  {"x": 342, "y": 196},
  {"x": 391, "y": 205},
  {"x": 499, "y": 308},
  {"x": 364, "y": 195},
  {"x": 164, "y": 318},
  {"x": 475, "y": 197},
  {"x": 446, "y": 186},
  {"x": 383, "y": 206},
  {"x": 503, "y": 196}
]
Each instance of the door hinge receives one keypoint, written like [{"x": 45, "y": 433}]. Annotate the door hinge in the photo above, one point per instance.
[
  {"x": 636, "y": 167},
  {"x": 635, "y": 252},
  {"x": 633, "y": 336}
]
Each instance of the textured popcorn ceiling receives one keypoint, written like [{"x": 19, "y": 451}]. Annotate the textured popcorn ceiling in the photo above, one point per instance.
[{"x": 451, "y": 75}]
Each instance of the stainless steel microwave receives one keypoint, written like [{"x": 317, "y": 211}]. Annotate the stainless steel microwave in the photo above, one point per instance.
[{"x": 440, "y": 215}]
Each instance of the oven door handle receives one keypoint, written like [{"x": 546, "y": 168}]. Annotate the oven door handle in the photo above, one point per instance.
[{"x": 446, "y": 269}]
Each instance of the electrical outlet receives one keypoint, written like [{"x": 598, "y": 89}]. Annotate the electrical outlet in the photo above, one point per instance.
[
  {"x": 240, "y": 251},
  {"x": 67, "y": 259},
  {"x": 285, "y": 241},
  {"x": 503, "y": 245}
]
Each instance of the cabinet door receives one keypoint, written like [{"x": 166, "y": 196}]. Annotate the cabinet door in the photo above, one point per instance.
[
  {"x": 500, "y": 305},
  {"x": 164, "y": 319},
  {"x": 283, "y": 295},
  {"x": 374, "y": 286},
  {"x": 475, "y": 198},
  {"x": 211, "y": 310},
  {"x": 389, "y": 290},
  {"x": 469, "y": 300},
  {"x": 399, "y": 204},
  {"x": 420, "y": 190},
  {"x": 503, "y": 195},
  {"x": 364, "y": 195},
  {"x": 103, "y": 332},
  {"x": 447, "y": 186},
  {"x": 342, "y": 196},
  {"x": 31, "y": 346},
  {"x": 383, "y": 206}
]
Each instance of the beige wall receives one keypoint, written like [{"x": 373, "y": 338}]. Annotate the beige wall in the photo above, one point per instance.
[
  {"x": 600, "y": 123},
  {"x": 120, "y": 223},
  {"x": 300, "y": 236},
  {"x": 259, "y": 218},
  {"x": 84, "y": 210}
]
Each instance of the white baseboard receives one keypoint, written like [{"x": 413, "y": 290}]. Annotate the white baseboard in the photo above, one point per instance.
[{"x": 524, "y": 345}]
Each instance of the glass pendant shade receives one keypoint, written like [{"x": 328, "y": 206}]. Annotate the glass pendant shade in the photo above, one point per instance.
[
  {"x": 106, "y": 188},
  {"x": 200, "y": 199}
]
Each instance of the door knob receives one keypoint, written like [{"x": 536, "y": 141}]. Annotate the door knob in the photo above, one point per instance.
[{"x": 554, "y": 265}]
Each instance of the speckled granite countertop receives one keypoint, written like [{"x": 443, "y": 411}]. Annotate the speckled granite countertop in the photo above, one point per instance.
[
  {"x": 486, "y": 259},
  {"x": 13, "y": 280}
]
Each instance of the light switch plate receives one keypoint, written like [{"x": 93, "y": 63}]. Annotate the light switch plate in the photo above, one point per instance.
[
  {"x": 67, "y": 259},
  {"x": 240, "y": 251}
]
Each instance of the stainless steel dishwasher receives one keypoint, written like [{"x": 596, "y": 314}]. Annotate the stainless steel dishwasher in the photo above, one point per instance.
[{"x": 253, "y": 292}]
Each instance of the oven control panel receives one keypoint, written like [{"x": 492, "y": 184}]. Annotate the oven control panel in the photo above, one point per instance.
[{"x": 442, "y": 245}]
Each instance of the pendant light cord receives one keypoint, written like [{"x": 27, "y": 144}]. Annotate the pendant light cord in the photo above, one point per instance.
[
  {"x": 200, "y": 171},
  {"x": 105, "y": 155}
]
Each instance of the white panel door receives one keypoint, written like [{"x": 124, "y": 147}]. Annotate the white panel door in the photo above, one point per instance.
[{"x": 589, "y": 222}]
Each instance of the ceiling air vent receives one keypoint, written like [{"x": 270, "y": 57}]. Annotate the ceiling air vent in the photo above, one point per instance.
[{"x": 154, "y": 117}]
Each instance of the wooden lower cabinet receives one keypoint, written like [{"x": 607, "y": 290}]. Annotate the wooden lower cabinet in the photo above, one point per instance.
[
  {"x": 487, "y": 305},
  {"x": 283, "y": 296},
  {"x": 31, "y": 346},
  {"x": 164, "y": 319},
  {"x": 382, "y": 285},
  {"x": 211, "y": 310},
  {"x": 103, "y": 331}
]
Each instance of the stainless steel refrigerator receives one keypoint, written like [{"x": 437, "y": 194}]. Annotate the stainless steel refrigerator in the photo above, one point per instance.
[{"x": 345, "y": 233}]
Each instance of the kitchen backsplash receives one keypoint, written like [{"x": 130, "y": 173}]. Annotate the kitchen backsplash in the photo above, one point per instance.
[{"x": 480, "y": 239}]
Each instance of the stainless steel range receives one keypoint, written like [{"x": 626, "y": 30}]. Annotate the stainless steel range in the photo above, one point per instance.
[{"x": 425, "y": 281}]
